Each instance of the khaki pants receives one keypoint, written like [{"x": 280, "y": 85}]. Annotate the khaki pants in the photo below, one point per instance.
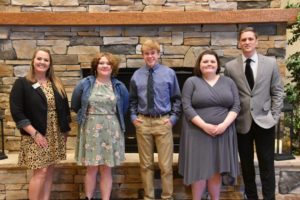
[{"x": 153, "y": 131}]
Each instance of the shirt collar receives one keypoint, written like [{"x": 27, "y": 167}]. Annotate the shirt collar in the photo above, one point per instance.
[
  {"x": 254, "y": 58},
  {"x": 155, "y": 67}
]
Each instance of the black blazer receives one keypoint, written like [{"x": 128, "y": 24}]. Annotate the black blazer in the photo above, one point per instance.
[{"x": 28, "y": 105}]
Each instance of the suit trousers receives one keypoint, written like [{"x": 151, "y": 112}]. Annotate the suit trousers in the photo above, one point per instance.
[
  {"x": 264, "y": 140},
  {"x": 153, "y": 131}
]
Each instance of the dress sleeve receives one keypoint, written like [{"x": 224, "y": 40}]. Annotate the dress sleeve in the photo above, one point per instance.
[
  {"x": 187, "y": 94},
  {"x": 236, "y": 107}
]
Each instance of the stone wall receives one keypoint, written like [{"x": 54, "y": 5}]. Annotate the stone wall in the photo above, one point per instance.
[{"x": 73, "y": 47}]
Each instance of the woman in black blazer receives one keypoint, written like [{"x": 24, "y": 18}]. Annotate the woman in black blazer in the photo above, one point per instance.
[{"x": 39, "y": 106}]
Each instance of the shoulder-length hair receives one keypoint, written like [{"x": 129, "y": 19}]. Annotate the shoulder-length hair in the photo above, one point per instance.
[
  {"x": 197, "y": 70},
  {"x": 50, "y": 75},
  {"x": 112, "y": 59}
]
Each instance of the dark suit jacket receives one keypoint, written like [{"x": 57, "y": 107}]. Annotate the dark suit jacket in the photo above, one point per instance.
[{"x": 28, "y": 105}]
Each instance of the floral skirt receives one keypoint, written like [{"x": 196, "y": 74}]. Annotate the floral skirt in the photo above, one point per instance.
[{"x": 100, "y": 141}]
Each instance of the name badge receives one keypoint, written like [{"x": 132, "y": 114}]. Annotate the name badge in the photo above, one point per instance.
[{"x": 36, "y": 85}]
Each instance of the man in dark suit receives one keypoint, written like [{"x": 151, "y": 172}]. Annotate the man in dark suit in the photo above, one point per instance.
[{"x": 261, "y": 94}]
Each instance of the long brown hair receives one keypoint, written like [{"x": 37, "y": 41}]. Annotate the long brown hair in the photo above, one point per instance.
[{"x": 49, "y": 74}]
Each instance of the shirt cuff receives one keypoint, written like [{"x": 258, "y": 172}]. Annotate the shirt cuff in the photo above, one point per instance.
[
  {"x": 173, "y": 119},
  {"x": 133, "y": 117}
]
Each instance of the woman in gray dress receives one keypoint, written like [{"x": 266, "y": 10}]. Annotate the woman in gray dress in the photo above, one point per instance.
[
  {"x": 100, "y": 101},
  {"x": 208, "y": 145}
]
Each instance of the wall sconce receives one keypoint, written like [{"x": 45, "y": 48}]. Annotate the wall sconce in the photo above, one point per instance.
[
  {"x": 2, "y": 153},
  {"x": 284, "y": 134}
]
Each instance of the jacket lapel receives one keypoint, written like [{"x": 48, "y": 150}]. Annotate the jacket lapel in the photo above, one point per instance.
[
  {"x": 40, "y": 92},
  {"x": 260, "y": 70},
  {"x": 241, "y": 74}
]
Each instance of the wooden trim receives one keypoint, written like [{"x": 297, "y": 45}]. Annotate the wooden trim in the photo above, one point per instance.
[{"x": 149, "y": 18}]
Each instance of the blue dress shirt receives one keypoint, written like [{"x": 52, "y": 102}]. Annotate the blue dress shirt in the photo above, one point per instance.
[{"x": 167, "y": 97}]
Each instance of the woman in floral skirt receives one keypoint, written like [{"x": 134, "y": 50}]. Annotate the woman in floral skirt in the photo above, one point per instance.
[{"x": 100, "y": 101}]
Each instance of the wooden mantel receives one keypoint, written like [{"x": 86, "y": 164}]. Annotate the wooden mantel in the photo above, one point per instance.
[{"x": 149, "y": 18}]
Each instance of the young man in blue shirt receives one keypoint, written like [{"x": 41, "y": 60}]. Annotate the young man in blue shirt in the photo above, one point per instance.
[{"x": 155, "y": 106}]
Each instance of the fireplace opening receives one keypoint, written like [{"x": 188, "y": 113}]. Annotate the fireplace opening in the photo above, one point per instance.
[{"x": 124, "y": 75}]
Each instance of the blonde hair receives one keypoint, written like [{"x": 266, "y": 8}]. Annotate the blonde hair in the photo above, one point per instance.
[
  {"x": 150, "y": 44},
  {"x": 49, "y": 74}
]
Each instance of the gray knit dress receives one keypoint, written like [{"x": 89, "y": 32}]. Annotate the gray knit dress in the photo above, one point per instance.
[{"x": 201, "y": 155}]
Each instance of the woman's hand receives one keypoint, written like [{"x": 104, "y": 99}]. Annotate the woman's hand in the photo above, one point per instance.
[
  {"x": 65, "y": 135},
  {"x": 65, "y": 138},
  {"x": 210, "y": 129},
  {"x": 41, "y": 140},
  {"x": 220, "y": 129}
]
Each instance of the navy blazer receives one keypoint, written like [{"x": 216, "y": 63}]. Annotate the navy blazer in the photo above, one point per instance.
[{"x": 28, "y": 105}]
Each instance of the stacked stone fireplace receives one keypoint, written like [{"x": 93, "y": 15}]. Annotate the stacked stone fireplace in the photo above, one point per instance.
[
  {"x": 73, "y": 48},
  {"x": 75, "y": 30},
  {"x": 124, "y": 75}
]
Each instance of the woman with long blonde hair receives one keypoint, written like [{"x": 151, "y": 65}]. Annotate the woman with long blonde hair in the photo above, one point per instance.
[{"x": 39, "y": 107}]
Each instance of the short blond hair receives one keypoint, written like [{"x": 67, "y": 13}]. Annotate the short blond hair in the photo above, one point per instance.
[
  {"x": 150, "y": 44},
  {"x": 247, "y": 29}
]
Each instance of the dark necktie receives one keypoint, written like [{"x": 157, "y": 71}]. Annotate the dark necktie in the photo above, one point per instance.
[
  {"x": 150, "y": 92},
  {"x": 249, "y": 73}
]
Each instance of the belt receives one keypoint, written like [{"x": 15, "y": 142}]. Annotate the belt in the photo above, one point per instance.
[{"x": 155, "y": 115}]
